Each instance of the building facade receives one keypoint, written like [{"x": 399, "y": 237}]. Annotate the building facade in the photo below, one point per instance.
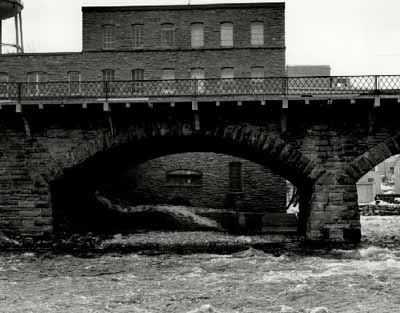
[
  {"x": 165, "y": 42},
  {"x": 170, "y": 43},
  {"x": 208, "y": 180}
]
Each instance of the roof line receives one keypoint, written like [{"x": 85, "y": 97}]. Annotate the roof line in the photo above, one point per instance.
[{"x": 184, "y": 7}]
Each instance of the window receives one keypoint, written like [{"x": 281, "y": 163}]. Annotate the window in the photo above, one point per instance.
[
  {"x": 227, "y": 73},
  {"x": 3, "y": 84},
  {"x": 235, "y": 177},
  {"x": 185, "y": 178},
  {"x": 257, "y": 34},
  {"x": 74, "y": 79},
  {"x": 197, "y": 33},
  {"x": 168, "y": 75},
  {"x": 35, "y": 83},
  {"x": 137, "y": 36},
  {"x": 227, "y": 83},
  {"x": 137, "y": 76},
  {"x": 108, "y": 76},
  {"x": 226, "y": 35},
  {"x": 108, "y": 37},
  {"x": 198, "y": 74},
  {"x": 257, "y": 83},
  {"x": 257, "y": 72},
  {"x": 167, "y": 35}
]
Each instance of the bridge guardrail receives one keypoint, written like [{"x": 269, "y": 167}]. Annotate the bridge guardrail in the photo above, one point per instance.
[{"x": 280, "y": 86}]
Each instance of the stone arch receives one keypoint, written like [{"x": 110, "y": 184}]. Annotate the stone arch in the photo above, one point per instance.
[
  {"x": 372, "y": 157},
  {"x": 334, "y": 206},
  {"x": 257, "y": 144}
]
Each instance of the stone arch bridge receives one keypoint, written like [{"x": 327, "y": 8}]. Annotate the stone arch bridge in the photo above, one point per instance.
[{"x": 321, "y": 138}]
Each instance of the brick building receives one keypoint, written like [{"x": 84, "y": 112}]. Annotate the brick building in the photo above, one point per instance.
[
  {"x": 171, "y": 43},
  {"x": 181, "y": 42}
]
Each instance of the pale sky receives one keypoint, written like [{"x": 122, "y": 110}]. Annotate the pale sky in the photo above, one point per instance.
[{"x": 352, "y": 36}]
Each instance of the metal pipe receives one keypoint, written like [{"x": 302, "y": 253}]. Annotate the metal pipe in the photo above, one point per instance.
[
  {"x": 20, "y": 29},
  {"x": 1, "y": 37},
  {"x": 16, "y": 32}
]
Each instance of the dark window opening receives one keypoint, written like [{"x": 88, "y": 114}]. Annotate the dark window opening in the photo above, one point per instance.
[{"x": 186, "y": 178}]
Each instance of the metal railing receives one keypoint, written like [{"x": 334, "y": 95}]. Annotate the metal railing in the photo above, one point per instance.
[{"x": 270, "y": 86}]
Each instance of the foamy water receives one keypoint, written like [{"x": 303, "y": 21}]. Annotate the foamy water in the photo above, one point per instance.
[{"x": 363, "y": 280}]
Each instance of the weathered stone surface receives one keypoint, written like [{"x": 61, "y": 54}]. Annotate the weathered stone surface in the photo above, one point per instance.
[{"x": 62, "y": 141}]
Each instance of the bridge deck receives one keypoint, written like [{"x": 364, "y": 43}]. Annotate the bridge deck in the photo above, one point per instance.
[{"x": 201, "y": 90}]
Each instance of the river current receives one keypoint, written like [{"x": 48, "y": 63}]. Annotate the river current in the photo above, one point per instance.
[{"x": 363, "y": 280}]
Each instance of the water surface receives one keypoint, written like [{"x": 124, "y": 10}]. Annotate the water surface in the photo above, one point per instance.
[{"x": 362, "y": 280}]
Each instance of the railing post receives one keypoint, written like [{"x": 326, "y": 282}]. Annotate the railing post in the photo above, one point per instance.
[
  {"x": 106, "y": 89},
  {"x": 19, "y": 92},
  {"x": 331, "y": 85},
  {"x": 376, "y": 84},
  {"x": 196, "y": 87},
  {"x": 285, "y": 85}
]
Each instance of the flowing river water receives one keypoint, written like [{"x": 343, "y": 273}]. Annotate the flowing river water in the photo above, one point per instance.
[{"x": 363, "y": 280}]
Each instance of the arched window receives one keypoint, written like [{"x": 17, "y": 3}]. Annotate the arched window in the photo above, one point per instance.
[
  {"x": 35, "y": 83},
  {"x": 257, "y": 82},
  {"x": 227, "y": 73},
  {"x": 257, "y": 34},
  {"x": 137, "y": 78},
  {"x": 74, "y": 79},
  {"x": 257, "y": 72},
  {"x": 3, "y": 84},
  {"x": 199, "y": 75},
  {"x": 167, "y": 35},
  {"x": 108, "y": 75},
  {"x": 168, "y": 74},
  {"x": 137, "y": 35},
  {"x": 226, "y": 34},
  {"x": 168, "y": 84},
  {"x": 197, "y": 35},
  {"x": 108, "y": 37}
]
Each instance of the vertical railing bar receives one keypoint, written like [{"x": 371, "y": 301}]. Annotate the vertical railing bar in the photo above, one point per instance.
[{"x": 19, "y": 91}]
